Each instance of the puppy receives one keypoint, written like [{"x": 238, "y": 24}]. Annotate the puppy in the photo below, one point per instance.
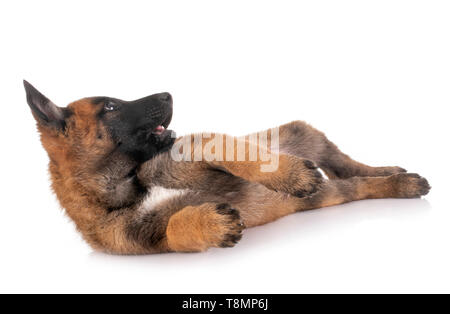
[{"x": 131, "y": 187}]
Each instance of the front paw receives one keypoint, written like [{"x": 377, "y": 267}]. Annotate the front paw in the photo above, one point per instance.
[
  {"x": 195, "y": 229},
  {"x": 309, "y": 180},
  {"x": 232, "y": 226},
  {"x": 299, "y": 177}
]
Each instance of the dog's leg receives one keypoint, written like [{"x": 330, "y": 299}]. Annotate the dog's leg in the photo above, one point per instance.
[
  {"x": 264, "y": 206},
  {"x": 172, "y": 228},
  {"x": 300, "y": 139},
  {"x": 292, "y": 174},
  {"x": 334, "y": 192},
  {"x": 197, "y": 228}
]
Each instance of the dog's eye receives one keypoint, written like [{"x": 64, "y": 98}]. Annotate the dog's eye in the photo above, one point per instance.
[{"x": 110, "y": 106}]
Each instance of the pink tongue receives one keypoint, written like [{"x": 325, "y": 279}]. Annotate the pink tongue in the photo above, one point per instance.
[{"x": 159, "y": 129}]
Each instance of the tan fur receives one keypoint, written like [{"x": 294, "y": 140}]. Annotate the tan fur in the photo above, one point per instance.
[
  {"x": 194, "y": 229},
  {"x": 90, "y": 178}
]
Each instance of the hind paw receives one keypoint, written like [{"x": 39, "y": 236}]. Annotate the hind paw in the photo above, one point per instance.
[{"x": 409, "y": 185}]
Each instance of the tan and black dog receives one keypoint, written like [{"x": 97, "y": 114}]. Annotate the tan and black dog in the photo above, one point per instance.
[{"x": 112, "y": 170}]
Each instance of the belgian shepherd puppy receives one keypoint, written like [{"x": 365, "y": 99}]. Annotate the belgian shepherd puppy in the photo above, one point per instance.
[{"x": 113, "y": 169}]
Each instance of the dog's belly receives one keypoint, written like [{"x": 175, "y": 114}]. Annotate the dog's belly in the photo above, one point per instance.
[{"x": 159, "y": 195}]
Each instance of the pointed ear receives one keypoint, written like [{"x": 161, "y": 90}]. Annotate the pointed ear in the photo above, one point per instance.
[{"x": 44, "y": 110}]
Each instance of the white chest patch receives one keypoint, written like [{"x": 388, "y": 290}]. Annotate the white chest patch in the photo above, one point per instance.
[{"x": 159, "y": 194}]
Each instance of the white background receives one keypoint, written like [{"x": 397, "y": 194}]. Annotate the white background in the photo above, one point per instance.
[{"x": 373, "y": 75}]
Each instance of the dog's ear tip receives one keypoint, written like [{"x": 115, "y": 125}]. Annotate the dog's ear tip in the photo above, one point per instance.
[{"x": 27, "y": 85}]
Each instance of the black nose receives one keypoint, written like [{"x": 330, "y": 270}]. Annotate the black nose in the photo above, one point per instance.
[{"x": 165, "y": 97}]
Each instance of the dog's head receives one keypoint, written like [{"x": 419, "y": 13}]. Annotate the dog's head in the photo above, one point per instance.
[{"x": 102, "y": 138}]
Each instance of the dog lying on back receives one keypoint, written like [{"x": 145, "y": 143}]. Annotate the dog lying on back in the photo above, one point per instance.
[{"x": 113, "y": 170}]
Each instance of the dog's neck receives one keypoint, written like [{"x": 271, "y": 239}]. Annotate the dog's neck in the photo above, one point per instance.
[{"x": 113, "y": 185}]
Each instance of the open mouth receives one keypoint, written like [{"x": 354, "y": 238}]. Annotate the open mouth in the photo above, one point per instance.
[{"x": 159, "y": 130}]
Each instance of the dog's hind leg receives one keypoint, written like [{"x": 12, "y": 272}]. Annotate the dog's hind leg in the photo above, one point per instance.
[
  {"x": 333, "y": 192},
  {"x": 302, "y": 140}
]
